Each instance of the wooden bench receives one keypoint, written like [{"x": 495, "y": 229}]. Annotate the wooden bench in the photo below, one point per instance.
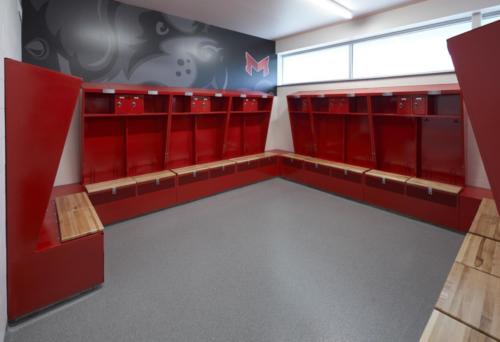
[
  {"x": 193, "y": 169},
  {"x": 480, "y": 253},
  {"x": 487, "y": 221},
  {"x": 249, "y": 158},
  {"x": 431, "y": 185},
  {"x": 111, "y": 185},
  {"x": 77, "y": 217},
  {"x": 383, "y": 176},
  {"x": 443, "y": 328},
  {"x": 154, "y": 176}
]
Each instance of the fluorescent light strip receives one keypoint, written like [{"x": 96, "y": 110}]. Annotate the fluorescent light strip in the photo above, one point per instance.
[{"x": 335, "y": 7}]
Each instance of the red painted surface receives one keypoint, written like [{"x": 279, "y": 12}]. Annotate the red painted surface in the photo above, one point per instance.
[
  {"x": 131, "y": 130},
  {"x": 40, "y": 269},
  {"x": 416, "y": 131},
  {"x": 476, "y": 55}
]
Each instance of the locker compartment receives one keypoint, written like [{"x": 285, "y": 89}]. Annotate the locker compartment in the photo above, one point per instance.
[
  {"x": 420, "y": 105},
  {"x": 222, "y": 171},
  {"x": 113, "y": 194},
  {"x": 129, "y": 104},
  {"x": 447, "y": 104},
  {"x": 268, "y": 161},
  {"x": 248, "y": 165},
  {"x": 181, "y": 104},
  {"x": 155, "y": 185},
  {"x": 347, "y": 175},
  {"x": 339, "y": 105},
  {"x": 97, "y": 103},
  {"x": 145, "y": 144},
  {"x": 317, "y": 168},
  {"x": 297, "y": 164},
  {"x": 298, "y": 104},
  {"x": 192, "y": 177},
  {"x": 385, "y": 184},
  {"x": 156, "y": 103},
  {"x": 181, "y": 146},
  {"x": 432, "y": 195},
  {"x": 200, "y": 104}
]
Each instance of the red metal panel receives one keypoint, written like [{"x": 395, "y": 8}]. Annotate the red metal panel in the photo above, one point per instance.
[
  {"x": 255, "y": 133},
  {"x": 396, "y": 144},
  {"x": 476, "y": 55},
  {"x": 103, "y": 149},
  {"x": 234, "y": 142},
  {"x": 330, "y": 130},
  {"x": 358, "y": 150},
  {"x": 181, "y": 150},
  {"x": 209, "y": 137},
  {"x": 303, "y": 141},
  {"x": 129, "y": 104},
  {"x": 145, "y": 144},
  {"x": 442, "y": 151}
]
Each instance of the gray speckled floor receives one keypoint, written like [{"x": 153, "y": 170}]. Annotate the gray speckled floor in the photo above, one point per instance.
[{"x": 272, "y": 262}]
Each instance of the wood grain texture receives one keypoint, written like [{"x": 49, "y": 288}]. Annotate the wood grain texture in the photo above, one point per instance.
[
  {"x": 202, "y": 167},
  {"x": 336, "y": 165},
  {"x": 487, "y": 221},
  {"x": 154, "y": 176},
  {"x": 252, "y": 157},
  {"x": 472, "y": 297},
  {"x": 453, "y": 189},
  {"x": 480, "y": 253},
  {"x": 108, "y": 185},
  {"x": 77, "y": 217},
  {"x": 443, "y": 328},
  {"x": 388, "y": 175}
]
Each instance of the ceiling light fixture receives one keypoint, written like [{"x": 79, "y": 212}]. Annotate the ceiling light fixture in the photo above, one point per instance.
[{"x": 335, "y": 7}]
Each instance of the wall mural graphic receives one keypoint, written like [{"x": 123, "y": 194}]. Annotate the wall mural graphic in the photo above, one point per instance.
[{"x": 107, "y": 41}]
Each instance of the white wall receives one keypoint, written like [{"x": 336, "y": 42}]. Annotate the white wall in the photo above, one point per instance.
[{"x": 10, "y": 46}]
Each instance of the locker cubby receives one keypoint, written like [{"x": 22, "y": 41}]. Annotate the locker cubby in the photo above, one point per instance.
[
  {"x": 103, "y": 149},
  {"x": 254, "y": 133},
  {"x": 97, "y": 103},
  {"x": 303, "y": 139},
  {"x": 209, "y": 137},
  {"x": 181, "y": 104},
  {"x": 392, "y": 104},
  {"x": 250, "y": 104},
  {"x": 145, "y": 145},
  {"x": 358, "y": 104},
  {"x": 320, "y": 104},
  {"x": 129, "y": 104},
  {"x": 156, "y": 103},
  {"x": 234, "y": 141},
  {"x": 396, "y": 144},
  {"x": 181, "y": 143},
  {"x": 265, "y": 104},
  {"x": 441, "y": 153},
  {"x": 298, "y": 104},
  {"x": 329, "y": 131},
  {"x": 447, "y": 104},
  {"x": 358, "y": 147},
  {"x": 219, "y": 104}
]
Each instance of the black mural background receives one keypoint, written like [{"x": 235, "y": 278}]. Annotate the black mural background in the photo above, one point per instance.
[{"x": 107, "y": 41}]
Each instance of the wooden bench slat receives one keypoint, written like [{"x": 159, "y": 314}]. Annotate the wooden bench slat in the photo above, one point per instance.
[
  {"x": 388, "y": 175},
  {"x": 453, "y": 189},
  {"x": 487, "y": 221},
  {"x": 328, "y": 163},
  {"x": 154, "y": 176},
  {"x": 443, "y": 328},
  {"x": 201, "y": 167},
  {"x": 108, "y": 185},
  {"x": 472, "y": 297},
  {"x": 77, "y": 216},
  {"x": 480, "y": 253},
  {"x": 253, "y": 157}
]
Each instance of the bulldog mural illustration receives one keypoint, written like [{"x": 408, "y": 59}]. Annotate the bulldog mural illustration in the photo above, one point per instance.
[{"x": 107, "y": 41}]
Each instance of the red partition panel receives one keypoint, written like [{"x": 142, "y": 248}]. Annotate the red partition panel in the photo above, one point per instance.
[
  {"x": 303, "y": 140},
  {"x": 103, "y": 149},
  {"x": 181, "y": 147},
  {"x": 209, "y": 137},
  {"x": 255, "y": 133},
  {"x": 476, "y": 55},
  {"x": 396, "y": 144},
  {"x": 442, "y": 151},
  {"x": 358, "y": 149},
  {"x": 330, "y": 131},
  {"x": 145, "y": 144},
  {"x": 234, "y": 140}
]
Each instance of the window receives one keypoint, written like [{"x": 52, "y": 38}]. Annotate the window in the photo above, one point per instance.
[
  {"x": 489, "y": 18},
  {"x": 421, "y": 50},
  {"x": 319, "y": 65},
  {"x": 416, "y": 52}
]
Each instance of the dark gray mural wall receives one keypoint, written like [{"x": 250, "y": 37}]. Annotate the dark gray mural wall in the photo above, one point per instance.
[{"x": 107, "y": 41}]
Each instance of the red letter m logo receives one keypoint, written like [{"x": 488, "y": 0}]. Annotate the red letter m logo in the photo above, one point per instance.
[{"x": 252, "y": 65}]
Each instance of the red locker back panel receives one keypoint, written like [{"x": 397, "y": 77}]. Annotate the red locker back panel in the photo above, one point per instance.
[
  {"x": 442, "y": 151},
  {"x": 330, "y": 136},
  {"x": 358, "y": 148},
  {"x": 39, "y": 105},
  {"x": 302, "y": 133},
  {"x": 145, "y": 144},
  {"x": 209, "y": 137},
  {"x": 476, "y": 55},
  {"x": 396, "y": 144},
  {"x": 181, "y": 149},
  {"x": 234, "y": 143},
  {"x": 104, "y": 149},
  {"x": 255, "y": 132}
]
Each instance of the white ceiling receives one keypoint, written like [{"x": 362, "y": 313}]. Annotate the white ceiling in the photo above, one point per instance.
[{"x": 271, "y": 19}]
